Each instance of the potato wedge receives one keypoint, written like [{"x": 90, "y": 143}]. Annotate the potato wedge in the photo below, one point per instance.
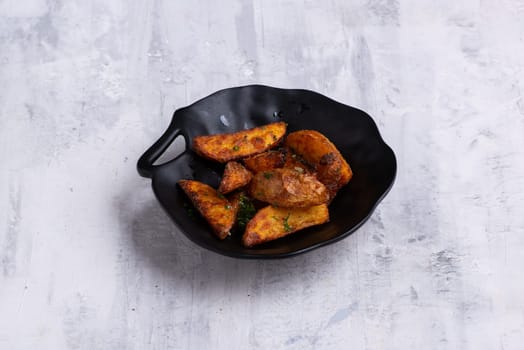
[
  {"x": 283, "y": 158},
  {"x": 294, "y": 161},
  {"x": 330, "y": 166},
  {"x": 226, "y": 147},
  {"x": 288, "y": 188},
  {"x": 271, "y": 223},
  {"x": 265, "y": 161},
  {"x": 235, "y": 176},
  {"x": 215, "y": 208}
]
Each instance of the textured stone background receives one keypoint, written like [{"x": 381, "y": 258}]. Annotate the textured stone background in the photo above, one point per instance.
[{"x": 89, "y": 261}]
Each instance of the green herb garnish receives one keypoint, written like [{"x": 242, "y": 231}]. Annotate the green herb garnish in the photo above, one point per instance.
[
  {"x": 236, "y": 148},
  {"x": 268, "y": 175},
  {"x": 287, "y": 228},
  {"x": 246, "y": 211},
  {"x": 227, "y": 206}
]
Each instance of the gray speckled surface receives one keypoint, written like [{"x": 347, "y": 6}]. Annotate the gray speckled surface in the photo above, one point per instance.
[{"x": 89, "y": 261}]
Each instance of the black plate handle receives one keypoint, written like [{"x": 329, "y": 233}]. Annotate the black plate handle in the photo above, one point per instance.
[{"x": 145, "y": 165}]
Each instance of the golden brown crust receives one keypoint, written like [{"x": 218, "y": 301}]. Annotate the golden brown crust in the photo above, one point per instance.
[
  {"x": 226, "y": 147},
  {"x": 288, "y": 188},
  {"x": 271, "y": 223},
  {"x": 331, "y": 167},
  {"x": 265, "y": 161},
  {"x": 298, "y": 180},
  {"x": 294, "y": 161},
  {"x": 234, "y": 177},
  {"x": 275, "y": 159},
  {"x": 215, "y": 208}
]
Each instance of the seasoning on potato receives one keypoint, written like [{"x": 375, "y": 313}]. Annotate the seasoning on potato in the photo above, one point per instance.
[
  {"x": 214, "y": 207},
  {"x": 265, "y": 161},
  {"x": 274, "y": 159},
  {"x": 288, "y": 188},
  {"x": 225, "y": 147},
  {"x": 298, "y": 181},
  {"x": 235, "y": 176},
  {"x": 331, "y": 168},
  {"x": 294, "y": 161},
  {"x": 271, "y": 223}
]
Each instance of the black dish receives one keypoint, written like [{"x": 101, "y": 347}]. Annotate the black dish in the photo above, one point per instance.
[{"x": 353, "y": 132}]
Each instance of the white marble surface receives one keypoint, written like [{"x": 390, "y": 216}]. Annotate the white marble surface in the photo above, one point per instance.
[{"x": 89, "y": 260}]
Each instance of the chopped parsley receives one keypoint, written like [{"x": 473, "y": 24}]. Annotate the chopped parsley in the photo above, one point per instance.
[
  {"x": 268, "y": 175},
  {"x": 246, "y": 211},
  {"x": 236, "y": 148},
  {"x": 227, "y": 206},
  {"x": 287, "y": 228},
  {"x": 285, "y": 222}
]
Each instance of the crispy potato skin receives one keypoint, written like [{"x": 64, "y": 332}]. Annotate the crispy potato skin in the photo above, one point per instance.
[
  {"x": 288, "y": 188},
  {"x": 235, "y": 176},
  {"x": 283, "y": 158},
  {"x": 216, "y": 209},
  {"x": 330, "y": 166},
  {"x": 271, "y": 223},
  {"x": 226, "y": 147}
]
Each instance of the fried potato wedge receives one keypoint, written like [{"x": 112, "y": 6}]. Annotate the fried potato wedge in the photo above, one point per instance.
[
  {"x": 330, "y": 166},
  {"x": 274, "y": 159},
  {"x": 271, "y": 223},
  {"x": 215, "y": 208},
  {"x": 288, "y": 188},
  {"x": 294, "y": 161},
  {"x": 265, "y": 161},
  {"x": 226, "y": 147},
  {"x": 235, "y": 176}
]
